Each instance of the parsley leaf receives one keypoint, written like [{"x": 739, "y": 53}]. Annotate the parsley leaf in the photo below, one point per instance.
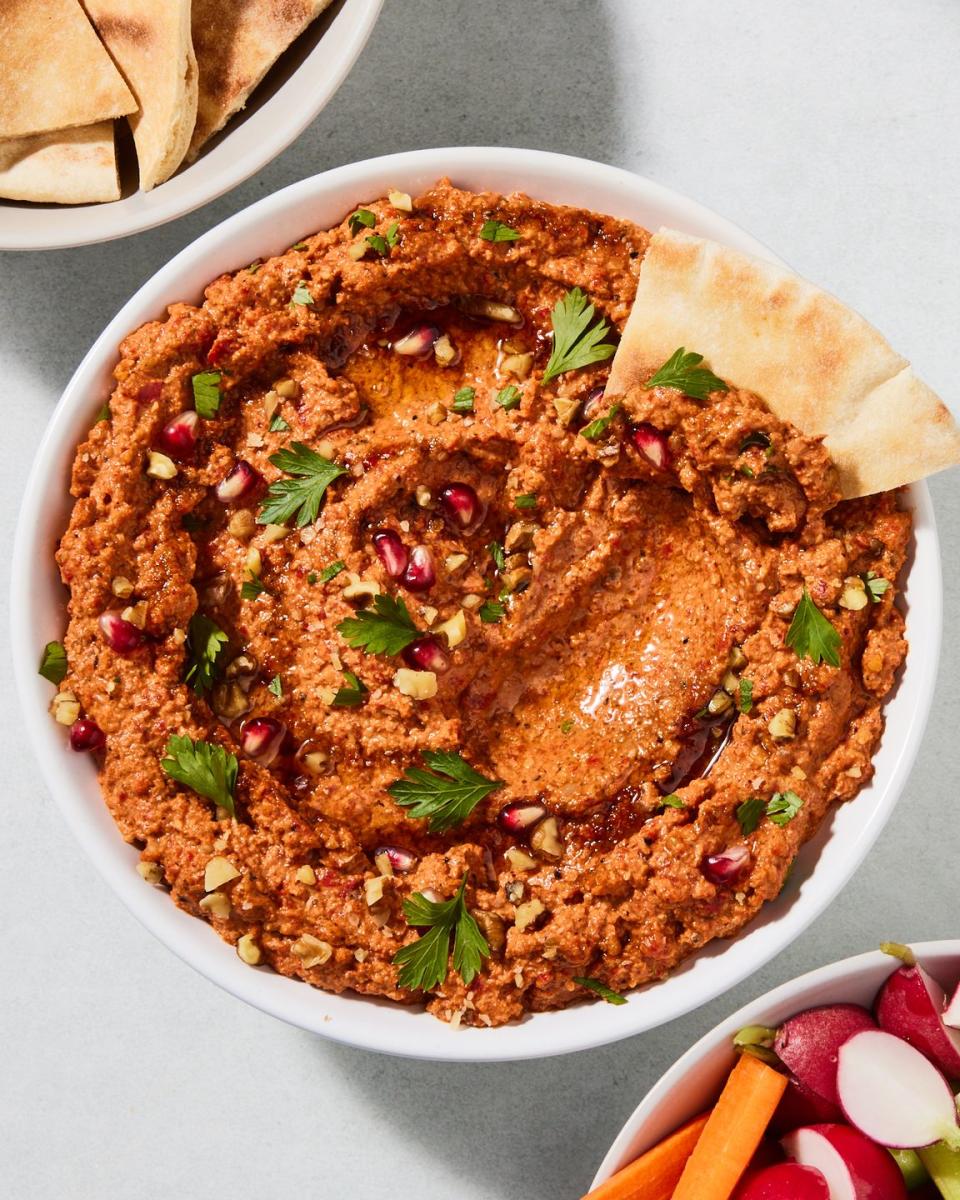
[
  {"x": 255, "y": 266},
  {"x": 575, "y": 344},
  {"x": 811, "y": 635},
  {"x": 745, "y": 697},
  {"x": 204, "y": 643},
  {"x": 749, "y": 814},
  {"x": 601, "y": 989},
  {"x": 363, "y": 218},
  {"x": 498, "y": 555},
  {"x": 383, "y": 245},
  {"x": 599, "y": 427},
  {"x": 206, "y": 393},
  {"x": 566, "y": 726},
  {"x": 508, "y": 397},
  {"x": 352, "y": 695},
  {"x": 302, "y": 495},
  {"x": 527, "y": 500},
  {"x": 299, "y": 246},
  {"x": 875, "y": 586},
  {"x": 782, "y": 807},
  {"x": 53, "y": 662},
  {"x": 672, "y": 801},
  {"x": 103, "y": 415},
  {"x": 204, "y": 767},
  {"x": 332, "y": 571},
  {"x": 393, "y": 233},
  {"x": 250, "y": 589},
  {"x": 490, "y": 612},
  {"x": 301, "y": 294},
  {"x": 496, "y": 231},
  {"x": 276, "y": 686},
  {"x": 424, "y": 963},
  {"x": 278, "y": 424},
  {"x": 447, "y": 794},
  {"x": 463, "y": 400},
  {"x": 384, "y": 629},
  {"x": 683, "y": 372}
]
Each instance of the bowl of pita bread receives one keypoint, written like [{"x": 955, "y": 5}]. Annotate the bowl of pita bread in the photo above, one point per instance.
[{"x": 116, "y": 116}]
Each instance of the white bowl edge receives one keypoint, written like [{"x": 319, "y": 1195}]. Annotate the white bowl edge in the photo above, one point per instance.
[{"x": 37, "y": 616}]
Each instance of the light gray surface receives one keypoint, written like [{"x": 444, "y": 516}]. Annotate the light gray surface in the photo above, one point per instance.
[{"x": 828, "y": 131}]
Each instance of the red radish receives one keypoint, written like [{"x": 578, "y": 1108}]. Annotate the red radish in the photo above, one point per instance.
[
  {"x": 910, "y": 1006},
  {"x": 801, "y": 1106},
  {"x": 786, "y": 1181},
  {"x": 854, "y": 1168},
  {"x": 652, "y": 444},
  {"x": 807, "y": 1044},
  {"x": 893, "y": 1094}
]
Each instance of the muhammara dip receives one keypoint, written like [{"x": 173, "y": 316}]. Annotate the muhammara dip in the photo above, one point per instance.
[{"x": 418, "y": 665}]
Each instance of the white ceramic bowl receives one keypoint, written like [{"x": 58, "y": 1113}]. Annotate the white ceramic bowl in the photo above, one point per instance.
[
  {"x": 300, "y": 84},
  {"x": 694, "y": 1081},
  {"x": 38, "y": 616}
]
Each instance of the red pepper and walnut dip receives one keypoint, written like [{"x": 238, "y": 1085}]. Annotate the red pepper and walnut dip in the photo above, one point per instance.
[{"x": 602, "y": 596}]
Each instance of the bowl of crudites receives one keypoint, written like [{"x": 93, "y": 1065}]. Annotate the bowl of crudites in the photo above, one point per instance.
[
  {"x": 118, "y": 116},
  {"x": 836, "y": 1086},
  {"x": 482, "y": 603}
]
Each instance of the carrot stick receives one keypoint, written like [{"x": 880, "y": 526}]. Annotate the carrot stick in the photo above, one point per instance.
[
  {"x": 733, "y": 1131},
  {"x": 654, "y": 1175}
]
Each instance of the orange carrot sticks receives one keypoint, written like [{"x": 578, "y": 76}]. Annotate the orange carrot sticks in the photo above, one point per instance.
[{"x": 654, "y": 1175}]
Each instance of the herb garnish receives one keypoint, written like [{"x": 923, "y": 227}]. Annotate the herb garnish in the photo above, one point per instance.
[
  {"x": 385, "y": 629},
  {"x": 250, "y": 589},
  {"x": 352, "y": 695},
  {"x": 278, "y": 424},
  {"x": 875, "y": 586},
  {"x": 604, "y": 992},
  {"x": 463, "y": 400},
  {"x": 491, "y": 612},
  {"x": 301, "y": 294},
  {"x": 599, "y": 427},
  {"x": 526, "y": 500},
  {"x": 255, "y": 266},
  {"x": 508, "y": 397},
  {"x": 745, "y": 695},
  {"x": 575, "y": 344},
  {"x": 683, "y": 372},
  {"x": 363, "y": 218},
  {"x": 383, "y": 245},
  {"x": 749, "y": 814},
  {"x": 811, "y": 635},
  {"x": 53, "y": 662},
  {"x": 783, "y": 807},
  {"x": 672, "y": 801},
  {"x": 276, "y": 686},
  {"x": 498, "y": 555},
  {"x": 206, "y": 393},
  {"x": 446, "y": 794},
  {"x": 204, "y": 767},
  {"x": 204, "y": 643},
  {"x": 332, "y": 571},
  {"x": 496, "y": 231},
  {"x": 103, "y": 415},
  {"x": 302, "y": 495},
  {"x": 566, "y": 726},
  {"x": 424, "y": 963},
  {"x": 299, "y": 246}
]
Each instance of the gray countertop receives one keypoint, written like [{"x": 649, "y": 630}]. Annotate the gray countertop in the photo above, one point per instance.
[{"x": 828, "y": 130}]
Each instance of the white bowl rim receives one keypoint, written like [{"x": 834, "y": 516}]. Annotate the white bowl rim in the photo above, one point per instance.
[
  {"x": 805, "y": 990},
  {"x": 238, "y": 154},
  {"x": 369, "y": 1023}
]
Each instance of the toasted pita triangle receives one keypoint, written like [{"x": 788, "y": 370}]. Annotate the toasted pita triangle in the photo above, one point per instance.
[
  {"x": 65, "y": 166},
  {"x": 237, "y": 42},
  {"x": 55, "y": 72},
  {"x": 812, "y": 360},
  {"x": 151, "y": 44}
]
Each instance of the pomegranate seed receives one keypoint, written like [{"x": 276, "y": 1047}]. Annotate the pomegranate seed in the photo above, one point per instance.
[
  {"x": 520, "y": 816},
  {"x": 418, "y": 342},
  {"x": 120, "y": 635},
  {"x": 726, "y": 868},
  {"x": 178, "y": 438},
  {"x": 401, "y": 860},
  {"x": 593, "y": 405},
  {"x": 420, "y": 575},
  {"x": 261, "y": 739},
  {"x": 652, "y": 444},
  {"x": 461, "y": 505},
  {"x": 86, "y": 735},
  {"x": 239, "y": 483},
  {"x": 391, "y": 551},
  {"x": 426, "y": 654}
]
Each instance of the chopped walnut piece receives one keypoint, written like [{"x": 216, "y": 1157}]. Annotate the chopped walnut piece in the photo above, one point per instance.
[
  {"x": 519, "y": 860},
  {"x": 248, "y": 950},
  {"x": 150, "y": 872},
  {"x": 312, "y": 951},
  {"x": 418, "y": 685},
  {"x": 307, "y": 875},
  {"x": 159, "y": 466},
  {"x": 121, "y": 587},
  {"x": 218, "y": 871},
  {"x": 217, "y": 904},
  {"x": 528, "y": 913},
  {"x": 783, "y": 726},
  {"x": 65, "y": 708}
]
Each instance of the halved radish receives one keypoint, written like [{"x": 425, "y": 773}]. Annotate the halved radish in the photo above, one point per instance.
[
  {"x": 910, "y": 1005},
  {"x": 799, "y": 1106},
  {"x": 893, "y": 1094},
  {"x": 807, "y": 1044},
  {"x": 853, "y": 1167},
  {"x": 785, "y": 1181}
]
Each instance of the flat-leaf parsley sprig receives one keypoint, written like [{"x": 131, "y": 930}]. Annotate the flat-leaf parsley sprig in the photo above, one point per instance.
[
  {"x": 387, "y": 628},
  {"x": 302, "y": 495},
  {"x": 577, "y": 341},
  {"x": 811, "y": 635},
  {"x": 204, "y": 767},
  {"x": 446, "y": 794},
  {"x": 683, "y": 371},
  {"x": 424, "y": 963}
]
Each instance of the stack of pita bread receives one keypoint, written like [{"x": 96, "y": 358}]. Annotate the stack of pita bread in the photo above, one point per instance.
[{"x": 176, "y": 70}]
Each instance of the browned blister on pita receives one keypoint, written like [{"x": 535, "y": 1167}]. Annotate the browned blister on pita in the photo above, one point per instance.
[
  {"x": 812, "y": 360},
  {"x": 151, "y": 44},
  {"x": 56, "y": 73},
  {"x": 65, "y": 166},
  {"x": 236, "y": 43}
]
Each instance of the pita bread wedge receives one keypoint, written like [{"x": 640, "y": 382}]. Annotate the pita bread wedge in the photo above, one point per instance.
[
  {"x": 56, "y": 73},
  {"x": 65, "y": 166},
  {"x": 151, "y": 44},
  {"x": 237, "y": 42},
  {"x": 812, "y": 360}
]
